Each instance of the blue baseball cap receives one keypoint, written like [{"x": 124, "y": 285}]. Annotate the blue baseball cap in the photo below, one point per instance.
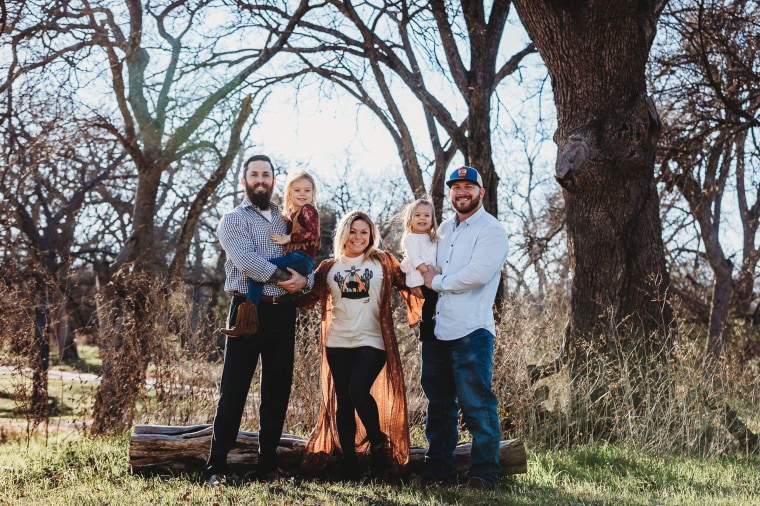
[{"x": 465, "y": 173}]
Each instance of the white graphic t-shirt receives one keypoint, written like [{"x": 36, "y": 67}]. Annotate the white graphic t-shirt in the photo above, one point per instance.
[{"x": 354, "y": 285}]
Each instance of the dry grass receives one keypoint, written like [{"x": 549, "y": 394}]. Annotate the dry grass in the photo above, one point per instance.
[{"x": 659, "y": 407}]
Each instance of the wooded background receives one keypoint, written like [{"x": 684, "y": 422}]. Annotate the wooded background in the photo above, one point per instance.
[{"x": 124, "y": 126}]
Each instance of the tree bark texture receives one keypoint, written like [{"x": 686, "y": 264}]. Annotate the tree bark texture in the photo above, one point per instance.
[
  {"x": 596, "y": 55},
  {"x": 166, "y": 449}
]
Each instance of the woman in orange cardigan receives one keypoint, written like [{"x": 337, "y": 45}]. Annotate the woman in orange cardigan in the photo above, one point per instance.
[{"x": 363, "y": 406}]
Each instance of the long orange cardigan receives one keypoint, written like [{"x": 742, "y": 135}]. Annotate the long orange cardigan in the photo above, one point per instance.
[{"x": 388, "y": 390}]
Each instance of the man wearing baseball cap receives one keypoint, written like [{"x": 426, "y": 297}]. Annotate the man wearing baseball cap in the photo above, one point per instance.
[{"x": 457, "y": 365}]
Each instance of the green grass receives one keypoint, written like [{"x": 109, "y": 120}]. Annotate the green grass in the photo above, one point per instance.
[
  {"x": 71, "y": 388},
  {"x": 70, "y": 398},
  {"x": 89, "y": 360},
  {"x": 73, "y": 469}
]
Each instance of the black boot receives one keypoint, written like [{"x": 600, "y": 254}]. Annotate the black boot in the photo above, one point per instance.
[
  {"x": 349, "y": 468},
  {"x": 379, "y": 462},
  {"x": 216, "y": 475},
  {"x": 266, "y": 470}
]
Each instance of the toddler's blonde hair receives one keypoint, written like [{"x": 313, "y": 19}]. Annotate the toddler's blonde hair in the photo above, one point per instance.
[
  {"x": 409, "y": 214},
  {"x": 288, "y": 207}
]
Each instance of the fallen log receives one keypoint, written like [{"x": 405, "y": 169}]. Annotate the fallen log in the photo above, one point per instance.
[{"x": 165, "y": 449}]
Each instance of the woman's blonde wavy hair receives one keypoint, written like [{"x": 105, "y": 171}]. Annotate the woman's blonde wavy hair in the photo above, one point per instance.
[{"x": 343, "y": 231}]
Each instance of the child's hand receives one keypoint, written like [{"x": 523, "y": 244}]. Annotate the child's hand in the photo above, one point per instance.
[
  {"x": 430, "y": 267},
  {"x": 280, "y": 239}
]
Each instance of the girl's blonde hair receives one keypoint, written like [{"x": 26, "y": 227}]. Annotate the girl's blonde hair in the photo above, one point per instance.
[
  {"x": 409, "y": 214},
  {"x": 343, "y": 231},
  {"x": 288, "y": 207}
]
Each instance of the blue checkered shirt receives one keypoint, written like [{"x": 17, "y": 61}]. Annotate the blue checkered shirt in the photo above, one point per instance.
[{"x": 244, "y": 234}]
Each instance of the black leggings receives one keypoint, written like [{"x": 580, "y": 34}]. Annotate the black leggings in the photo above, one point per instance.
[{"x": 354, "y": 370}]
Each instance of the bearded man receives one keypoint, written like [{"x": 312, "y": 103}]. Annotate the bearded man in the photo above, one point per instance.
[
  {"x": 457, "y": 365},
  {"x": 245, "y": 234}
]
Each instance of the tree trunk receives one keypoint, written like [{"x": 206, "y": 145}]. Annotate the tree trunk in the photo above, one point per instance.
[
  {"x": 596, "y": 55},
  {"x": 138, "y": 250},
  {"x": 478, "y": 150},
  {"x": 40, "y": 356},
  {"x": 126, "y": 353},
  {"x": 67, "y": 347},
  {"x": 173, "y": 450},
  {"x": 480, "y": 91},
  {"x": 719, "y": 307}
]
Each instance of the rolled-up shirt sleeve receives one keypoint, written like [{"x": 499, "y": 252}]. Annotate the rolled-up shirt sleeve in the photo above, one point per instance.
[
  {"x": 471, "y": 256},
  {"x": 233, "y": 235},
  {"x": 488, "y": 254}
]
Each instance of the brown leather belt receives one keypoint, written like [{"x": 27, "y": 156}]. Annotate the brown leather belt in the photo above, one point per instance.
[
  {"x": 282, "y": 299},
  {"x": 268, "y": 299}
]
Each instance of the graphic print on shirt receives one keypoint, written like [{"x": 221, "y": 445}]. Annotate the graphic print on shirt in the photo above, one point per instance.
[{"x": 354, "y": 285}]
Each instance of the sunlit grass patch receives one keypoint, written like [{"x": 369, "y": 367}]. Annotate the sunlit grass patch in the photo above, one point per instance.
[
  {"x": 70, "y": 394},
  {"x": 73, "y": 469},
  {"x": 89, "y": 360}
]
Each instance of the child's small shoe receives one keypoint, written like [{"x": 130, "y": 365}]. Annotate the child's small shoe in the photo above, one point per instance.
[{"x": 246, "y": 321}]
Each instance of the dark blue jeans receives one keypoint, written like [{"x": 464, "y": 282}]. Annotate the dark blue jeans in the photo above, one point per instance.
[
  {"x": 274, "y": 344},
  {"x": 457, "y": 374},
  {"x": 299, "y": 261}
]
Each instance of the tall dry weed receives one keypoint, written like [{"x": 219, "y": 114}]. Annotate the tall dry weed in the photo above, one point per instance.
[
  {"x": 658, "y": 406},
  {"x": 18, "y": 349},
  {"x": 655, "y": 405}
]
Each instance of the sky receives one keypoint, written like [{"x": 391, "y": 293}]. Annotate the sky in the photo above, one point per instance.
[{"x": 323, "y": 135}]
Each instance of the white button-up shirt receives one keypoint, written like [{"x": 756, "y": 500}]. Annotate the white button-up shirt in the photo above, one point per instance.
[{"x": 470, "y": 255}]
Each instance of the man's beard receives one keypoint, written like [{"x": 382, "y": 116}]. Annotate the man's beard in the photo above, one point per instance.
[
  {"x": 466, "y": 207},
  {"x": 259, "y": 199}
]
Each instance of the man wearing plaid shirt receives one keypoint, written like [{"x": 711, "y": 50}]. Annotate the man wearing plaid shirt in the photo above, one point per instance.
[{"x": 245, "y": 234}]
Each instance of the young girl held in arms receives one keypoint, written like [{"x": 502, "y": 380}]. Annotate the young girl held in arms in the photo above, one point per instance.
[
  {"x": 419, "y": 242},
  {"x": 301, "y": 246}
]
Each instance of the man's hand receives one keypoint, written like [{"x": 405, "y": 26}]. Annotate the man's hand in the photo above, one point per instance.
[
  {"x": 295, "y": 284},
  {"x": 428, "y": 277},
  {"x": 279, "y": 275}
]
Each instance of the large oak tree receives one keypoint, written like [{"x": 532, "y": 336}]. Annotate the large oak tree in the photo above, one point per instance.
[{"x": 596, "y": 55}]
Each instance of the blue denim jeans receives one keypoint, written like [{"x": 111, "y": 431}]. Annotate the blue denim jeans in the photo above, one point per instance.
[
  {"x": 457, "y": 374},
  {"x": 296, "y": 260}
]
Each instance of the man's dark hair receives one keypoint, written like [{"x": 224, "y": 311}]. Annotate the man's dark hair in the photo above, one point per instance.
[{"x": 259, "y": 158}]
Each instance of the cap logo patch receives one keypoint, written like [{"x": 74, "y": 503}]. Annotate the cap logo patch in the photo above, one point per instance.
[{"x": 462, "y": 172}]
